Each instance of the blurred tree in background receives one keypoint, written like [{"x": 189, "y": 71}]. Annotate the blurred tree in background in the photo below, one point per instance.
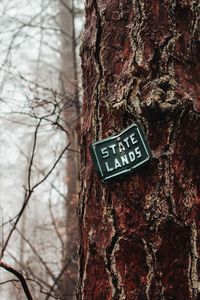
[{"x": 39, "y": 131}]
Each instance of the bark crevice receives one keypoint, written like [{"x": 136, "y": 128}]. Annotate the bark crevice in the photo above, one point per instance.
[
  {"x": 110, "y": 258},
  {"x": 193, "y": 260},
  {"x": 99, "y": 68}
]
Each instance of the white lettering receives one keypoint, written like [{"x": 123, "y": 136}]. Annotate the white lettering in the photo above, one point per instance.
[
  {"x": 113, "y": 148},
  {"x": 124, "y": 160},
  {"x": 108, "y": 168},
  {"x": 126, "y": 141},
  {"x": 131, "y": 156},
  {"x": 117, "y": 164},
  {"x": 121, "y": 147},
  {"x": 104, "y": 152},
  {"x": 138, "y": 152},
  {"x": 133, "y": 140}
]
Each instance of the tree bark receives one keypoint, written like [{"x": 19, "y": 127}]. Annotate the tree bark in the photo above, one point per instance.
[{"x": 139, "y": 236}]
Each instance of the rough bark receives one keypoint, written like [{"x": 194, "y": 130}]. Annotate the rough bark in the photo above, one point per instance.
[{"x": 139, "y": 236}]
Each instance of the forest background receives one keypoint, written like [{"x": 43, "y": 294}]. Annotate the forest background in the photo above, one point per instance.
[{"x": 39, "y": 123}]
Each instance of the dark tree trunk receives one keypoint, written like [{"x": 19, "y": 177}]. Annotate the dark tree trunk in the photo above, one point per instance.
[{"x": 139, "y": 237}]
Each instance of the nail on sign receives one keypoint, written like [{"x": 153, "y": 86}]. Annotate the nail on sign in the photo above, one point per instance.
[{"x": 120, "y": 154}]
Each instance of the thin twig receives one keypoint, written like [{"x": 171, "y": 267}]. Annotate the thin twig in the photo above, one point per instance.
[
  {"x": 52, "y": 168},
  {"x": 32, "y": 155},
  {"x": 37, "y": 254},
  {"x": 57, "y": 279},
  {"x": 16, "y": 221},
  {"x": 54, "y": 224},
  {"x": 9, "y": 281},
  {"x": 30, "y": 190}
]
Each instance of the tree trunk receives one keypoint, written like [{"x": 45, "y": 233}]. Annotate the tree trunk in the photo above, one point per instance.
[
  {"x": 69, "y": 80},
  {"x": 139, "y": 236}
]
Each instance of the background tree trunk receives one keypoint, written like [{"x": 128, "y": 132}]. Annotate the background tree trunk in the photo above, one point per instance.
[
  {"x": 139, "y": 236},
  {"x": 69, "y": 81}
]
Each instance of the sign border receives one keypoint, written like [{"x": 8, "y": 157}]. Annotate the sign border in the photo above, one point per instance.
[{"x": 145, "y": 145}]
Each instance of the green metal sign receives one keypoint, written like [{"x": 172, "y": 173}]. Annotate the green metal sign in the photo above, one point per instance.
[{"x": 120, "y": 154}]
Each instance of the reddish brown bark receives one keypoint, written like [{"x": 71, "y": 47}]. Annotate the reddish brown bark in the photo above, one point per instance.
[{"x": 139, "y": 236}]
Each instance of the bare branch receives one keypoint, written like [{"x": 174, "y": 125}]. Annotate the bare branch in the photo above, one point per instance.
[
  {"x": 27, "y": 197},
  {"x": 19, "y": 276},
  {"x": 32, "y": 155},
  {"x": 52, "y": 168},
  {"x": 58, "y": 278},
  {"x": 30, "y": 191},
  {"x": 9, "y": 281},
  {"x": 37, "y": 254},
  {"x": 54, "y": 223},
  {"x": 64, "y": 3}
]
